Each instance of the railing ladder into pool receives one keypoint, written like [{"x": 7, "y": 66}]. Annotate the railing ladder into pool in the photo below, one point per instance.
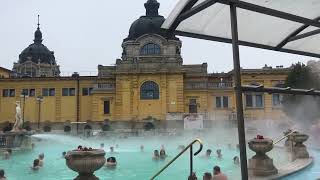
[
  {"x": 285, "y": 136},
  {"x": 182, "y": 152}
]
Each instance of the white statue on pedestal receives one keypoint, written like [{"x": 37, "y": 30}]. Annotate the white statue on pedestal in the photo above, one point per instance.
[{"x": 18, "y": 123}]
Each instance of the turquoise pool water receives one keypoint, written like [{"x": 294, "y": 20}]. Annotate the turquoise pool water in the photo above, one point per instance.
[
  {"x": 132, "y": 164},
  {"x": 310, "y": 173}
]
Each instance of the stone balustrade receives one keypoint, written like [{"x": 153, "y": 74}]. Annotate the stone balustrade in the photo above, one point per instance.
[{"x": 208, "y": 85}]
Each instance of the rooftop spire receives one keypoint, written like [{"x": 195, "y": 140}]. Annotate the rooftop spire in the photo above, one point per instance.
[
  {"x": 38, "y": 21},
  {"x": 38, "y": 33},
  {"x": 152, "y": 7}
]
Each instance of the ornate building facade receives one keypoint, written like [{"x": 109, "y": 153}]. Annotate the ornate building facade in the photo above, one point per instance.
[{"x": 149, "y": 83}]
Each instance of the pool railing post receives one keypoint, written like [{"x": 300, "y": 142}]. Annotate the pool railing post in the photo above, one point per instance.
[
  {"x": 238, "y": 90},
  {"x": 191, "y": 161}
]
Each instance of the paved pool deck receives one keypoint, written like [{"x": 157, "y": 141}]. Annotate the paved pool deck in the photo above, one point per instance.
[{"x": 288, "y": 169}]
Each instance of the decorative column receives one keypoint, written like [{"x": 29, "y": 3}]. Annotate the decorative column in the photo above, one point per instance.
[
  {"x": 85, "y": 162},
  {"x": 299, "y": 149},
  {"x": 260, "y": 164}
]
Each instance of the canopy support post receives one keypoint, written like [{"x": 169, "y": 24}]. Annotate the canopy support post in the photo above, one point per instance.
[{"x": 238, "y": 89}]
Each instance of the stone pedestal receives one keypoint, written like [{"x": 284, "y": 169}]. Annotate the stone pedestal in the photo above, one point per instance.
[
  {"x": 260, "y": 164},
  {"x": 299, "y": 149},
  {"x": 86, "y": 163}
]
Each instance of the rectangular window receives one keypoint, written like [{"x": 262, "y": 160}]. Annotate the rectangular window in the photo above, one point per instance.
[
  {"x": 249, "y": 102},
  {"x": 68, "y": 91},
  {"x": 276, "y": 100},
  {"x": 254, "y": 100},
  {"x": 259, "y": 100},
  {"x": 12, "y": 92},
  {"x": 72, "y": 91},
  {"x": 222, "y": 102},
  {"x": 32, "y": 92},
  {"x": 25, "y": 92},
  {"x": 85, "y": 91},
  {"x": 193, "y": 107},
  {"x": 218, "y": 102},
  {"x": 52, "y": 92},
  {"x": 193, "y": 101},
  {"x": 106, "y": 107},
  {"x": 225, "y": 101},
  {"x": 5, "y": 93},
  {"x": 45, "y": 92},
  {"x": 65, "y": 91}
]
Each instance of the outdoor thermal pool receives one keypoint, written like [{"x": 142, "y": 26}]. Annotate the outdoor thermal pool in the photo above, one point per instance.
[{"x": 132, "y": 163}]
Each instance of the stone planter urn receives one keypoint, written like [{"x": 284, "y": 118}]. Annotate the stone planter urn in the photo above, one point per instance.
[
  {"x": 85, "y": 162},
  {"x": 260, "y": 164},
  {"x": 299, "y": 149}
]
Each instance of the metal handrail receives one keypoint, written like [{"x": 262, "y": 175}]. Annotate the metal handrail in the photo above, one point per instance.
[
  {"x": 279, "y": 140},
  {"x": 177, "y": 156}
]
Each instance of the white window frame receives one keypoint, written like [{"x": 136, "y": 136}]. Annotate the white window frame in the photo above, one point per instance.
[{"x": 254, "y": 100}]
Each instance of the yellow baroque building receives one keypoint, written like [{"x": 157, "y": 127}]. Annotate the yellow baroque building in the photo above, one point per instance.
[{"x": 149, "y": 83}]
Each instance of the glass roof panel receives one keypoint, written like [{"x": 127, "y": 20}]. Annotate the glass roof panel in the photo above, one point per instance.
[{"x": 253, "y": 27}]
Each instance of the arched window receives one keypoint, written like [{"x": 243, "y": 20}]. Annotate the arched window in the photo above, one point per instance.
[
  {"x": 149, "y": 90},
  {"x": 150, "y": 49}
]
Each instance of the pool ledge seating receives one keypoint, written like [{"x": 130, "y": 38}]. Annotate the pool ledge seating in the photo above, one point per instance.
[{"x": 288, "y": 169}]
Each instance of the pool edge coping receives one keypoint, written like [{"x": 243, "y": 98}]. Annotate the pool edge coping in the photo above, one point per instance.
[{"x": 301, "y": 165}]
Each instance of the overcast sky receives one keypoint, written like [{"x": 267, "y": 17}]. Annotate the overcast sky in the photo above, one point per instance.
[{"x": 85, "y": 33}]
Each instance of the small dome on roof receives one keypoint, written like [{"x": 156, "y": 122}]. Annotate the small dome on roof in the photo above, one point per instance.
[
  {"x": 149, "y": 24},
  {"x": 37, "y": 52}
]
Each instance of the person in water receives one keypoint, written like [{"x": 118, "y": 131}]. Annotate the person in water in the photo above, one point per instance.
[
  {"x": 141, "y": 148},
  {"x": 208, "y": 153},
  {"x": 156, "y": 155},
  {"x": 193, "y": 176},
  {"x": 218, "y": 175},
  {"x": 102, "y": 146},
  {"x": 41, "y": 159},
  {"x": 207, "y": 176},
  {"x": 111, "y": 162},
  {"x": 2, "y": 176},
  {"x": 236, "y": 160},
  {"x": 163, "y": 154},
  {"x": 7, "y": 154},
  {"x": 111, "y": 149},
  {"x": 36, "y": 165},
  {"x": 219, "y": 154}
]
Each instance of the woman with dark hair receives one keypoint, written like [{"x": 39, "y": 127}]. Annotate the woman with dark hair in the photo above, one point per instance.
[
  {"x": 156, "y": 155},
  {"x": 163, "y": 154},
  {"x": 2, "y": 177},
  {"x": 36, "y": 165}
]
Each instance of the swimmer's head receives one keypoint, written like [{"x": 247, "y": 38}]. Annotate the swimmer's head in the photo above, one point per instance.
[
  {"x": 1, "y": 173},
  {"x": 36, "y": 162},
  {"x": 208, "y": 152},
  {"x": 41, "y": 156}
]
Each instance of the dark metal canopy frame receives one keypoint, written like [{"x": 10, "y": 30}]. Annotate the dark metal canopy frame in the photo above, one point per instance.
[{"x": 191, "y": 9}]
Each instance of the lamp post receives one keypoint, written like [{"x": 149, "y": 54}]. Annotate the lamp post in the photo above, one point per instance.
[
  {"x": 39, "y": 99},
  {"x": 23, "y": 95}
]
